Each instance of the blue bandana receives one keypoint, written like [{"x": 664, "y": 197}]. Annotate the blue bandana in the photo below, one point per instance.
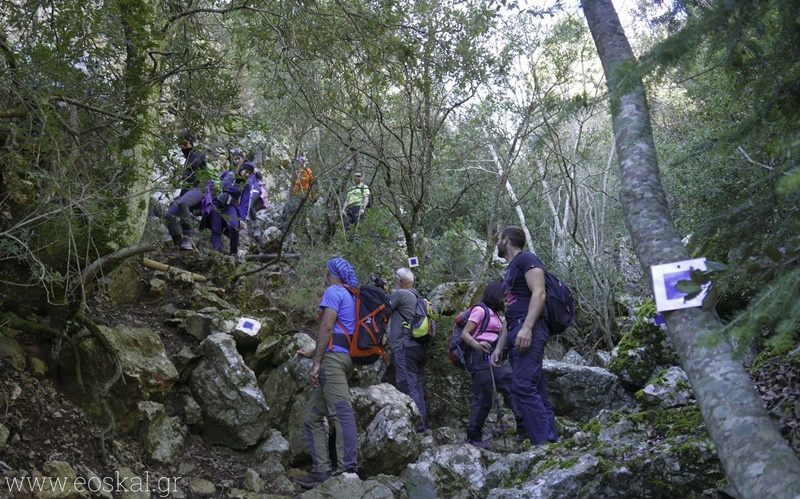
[{"x": 344, "y": 271}]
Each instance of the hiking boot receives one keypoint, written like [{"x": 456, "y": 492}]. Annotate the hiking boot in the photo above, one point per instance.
[
  {"x": 312, "y": 480},
  {"x": 257, "y": 233},
  {"x": 477, "y": 443},
  {"x": 186, "y": 243}
]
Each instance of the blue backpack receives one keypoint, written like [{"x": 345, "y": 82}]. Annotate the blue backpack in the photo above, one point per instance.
[{"x": 559, "y": 303}]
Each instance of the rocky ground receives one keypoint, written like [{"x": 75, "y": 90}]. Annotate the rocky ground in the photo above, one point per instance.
[{"x": 43, "y": 426}]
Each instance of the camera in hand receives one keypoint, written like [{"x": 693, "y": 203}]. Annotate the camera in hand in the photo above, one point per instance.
[{"x": 378, "y": 281}]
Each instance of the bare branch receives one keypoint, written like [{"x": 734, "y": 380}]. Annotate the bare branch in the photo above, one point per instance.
[{"x": 751, "y": 160}]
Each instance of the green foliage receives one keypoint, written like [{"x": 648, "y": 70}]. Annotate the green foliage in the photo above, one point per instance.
[
  {"x": 372, "y": 250},
  {"x": 669, "y": 423},
  {"x": 776, "y": 309},
  {"x": 455, "y": 255}
]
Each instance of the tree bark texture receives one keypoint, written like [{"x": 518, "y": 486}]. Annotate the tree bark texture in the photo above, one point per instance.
[{"x": 758, "y": 461}]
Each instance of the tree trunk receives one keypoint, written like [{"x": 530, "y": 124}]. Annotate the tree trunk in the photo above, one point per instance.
[
  {"x": 503, "y": 175},
  {"x": 758, "y": 461}
]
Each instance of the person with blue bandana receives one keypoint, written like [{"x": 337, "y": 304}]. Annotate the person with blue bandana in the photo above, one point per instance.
[{"x": 331, "y": 369}]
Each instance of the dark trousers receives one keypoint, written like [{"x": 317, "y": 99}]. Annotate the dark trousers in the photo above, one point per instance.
[
  {"x": 409, "y": 363},
  {"x": 222, "y": 216},
  {"x": 483, "y": 395},
  {"x": 529, "y": 388},
  {"x": 352, "y": 216},
  {"x": 181, "y": 208}
]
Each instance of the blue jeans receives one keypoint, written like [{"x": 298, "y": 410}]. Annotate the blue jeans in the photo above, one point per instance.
[{"x": 529, "y": 388}]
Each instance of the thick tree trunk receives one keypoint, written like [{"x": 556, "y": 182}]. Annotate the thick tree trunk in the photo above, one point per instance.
[{"x": 758, "y": 461}]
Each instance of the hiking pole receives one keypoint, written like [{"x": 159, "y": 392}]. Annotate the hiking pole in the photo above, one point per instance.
[{"x": 497, "y": 400}]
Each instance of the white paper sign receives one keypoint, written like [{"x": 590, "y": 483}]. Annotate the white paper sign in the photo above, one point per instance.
[
  {"x": 665, "y": 280},
  {"x": 248, "y": 326}
]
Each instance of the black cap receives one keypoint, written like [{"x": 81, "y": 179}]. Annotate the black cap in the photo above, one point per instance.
[{"x": 247, "y": 166}]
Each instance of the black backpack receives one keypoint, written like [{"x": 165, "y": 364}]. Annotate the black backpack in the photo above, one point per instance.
[
  {"x": 457, "y": 348},
  {"x": 372, "y": 314},
  {"x": 559, "y": 303}
]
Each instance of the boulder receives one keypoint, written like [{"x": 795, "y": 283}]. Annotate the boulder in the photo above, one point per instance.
[
  {"x": 202, "y": 298},
  {"x": 12, "y": 353},
  {"x": 388, "y": 420},
  {"x": 573, "y": 357},
  {"x": 198, "y": 325},
  {"x": 283, "y": 389},
  {"x": 580, "y": 392},
  {"x": 246, "y": 331},
  {"x": 163, "y": 437},
  {"x": 235, "y": 412},
  {"x": 644, "y": 351},
  {"x": 146, "y": 373},
  {"x": 448, "y": 297},
  {"x": 670, "y": 388},
  {"x": 454, "y": 471},
  {"x": 125, "y": 283},
  {"x": 349, "y": 485},
  {"x": 271, "y": 457}
]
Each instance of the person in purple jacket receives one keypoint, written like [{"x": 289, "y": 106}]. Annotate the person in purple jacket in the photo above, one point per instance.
[
  {"x": 526, "y": 335},
  {"x": 224, "y": 213},
  {"x": 251, "y": 193},
  {"x": 190, "y": 194}
]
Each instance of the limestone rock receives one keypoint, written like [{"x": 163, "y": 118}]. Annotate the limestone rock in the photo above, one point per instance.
[
  {"x": 349, "y": 485},
  {"x": 388, "y": 420},
  {"x": 234, "y": 410},
  {"x": 580, "y": 392},
  {"x": 163, "y": 437},
  {"x": 147, "y": 373},
  {"x": 671, "y": 388}
]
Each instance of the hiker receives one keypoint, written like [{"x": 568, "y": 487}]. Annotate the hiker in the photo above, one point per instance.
[
  {"x": 481, "y": 344},
  {"x": 301, "y": 189},
  {"x": 331, "y": 369},
  {"x": 223, "y": 214},
  {"x": 526, "y": 335},
  {"x": 190, "y": 194},
  {"x": 237, "y": 158},
  {"x": 409, "y": 355},
  {"x": 356, "y": 202},
  {"x": 251, "y": 194}
]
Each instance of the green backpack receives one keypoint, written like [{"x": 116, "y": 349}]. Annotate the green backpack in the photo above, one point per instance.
[{"x": 423, "y": 325}]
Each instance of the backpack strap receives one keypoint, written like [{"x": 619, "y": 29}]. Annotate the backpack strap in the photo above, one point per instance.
[
  {"x": 343, "y": 339},
  {"x": 485, "y": 322}
]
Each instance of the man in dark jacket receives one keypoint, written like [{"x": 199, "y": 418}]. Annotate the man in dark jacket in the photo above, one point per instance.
[
  {"x": 526, "y": 335},
  {"x": 190, "y": 195}
]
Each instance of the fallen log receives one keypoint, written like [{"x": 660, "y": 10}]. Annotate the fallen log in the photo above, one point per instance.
[{"x": 166, "y": 268}]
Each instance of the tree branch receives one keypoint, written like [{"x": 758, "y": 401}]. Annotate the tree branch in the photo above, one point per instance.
[
  {"x": 751, "y": 160},
  {"x": 98, "y": 264}
]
